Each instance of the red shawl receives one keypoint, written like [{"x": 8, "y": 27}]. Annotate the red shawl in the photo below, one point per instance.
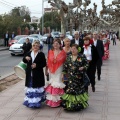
[
  {"x": 90, "y": 43},
  {"x": 54, "y": 63}
]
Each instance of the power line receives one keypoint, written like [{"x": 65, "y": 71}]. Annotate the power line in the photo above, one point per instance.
[{"x": 10, "y": 3}]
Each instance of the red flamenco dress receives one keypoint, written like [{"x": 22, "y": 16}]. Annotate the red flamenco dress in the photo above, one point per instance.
[
  {"x": 55, "y": 87},
  {"x": 106, "y": 50}
]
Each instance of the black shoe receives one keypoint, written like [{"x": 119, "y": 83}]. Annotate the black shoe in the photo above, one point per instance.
[
  {"x": 93, "y": 88},
  {"x": 98, "y": 77}
]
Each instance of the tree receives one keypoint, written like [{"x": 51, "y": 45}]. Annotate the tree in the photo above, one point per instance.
[
  {"x": 51, "y": 20},
  {"x": 2, "y": 27},
  {"x": 22, "y": 12},
  {"x": 34, "y": 25},
  {"x": 10, "y": 22},
  {"x": 25, "y": 13}
]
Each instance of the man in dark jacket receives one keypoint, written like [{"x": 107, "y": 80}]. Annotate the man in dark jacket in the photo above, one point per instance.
[
  {"x": 26, "y": 46},
  {"x": 62, "y": 37},
  {"x": 6, "y": 39},
  {"x": 12, "y": 35},
  {"x": 49, "y": 41},
  {"x": 100, "y": 49},
  {"x": 77, "y": 40}
]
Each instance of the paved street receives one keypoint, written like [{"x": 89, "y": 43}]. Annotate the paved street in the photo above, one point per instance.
[
  {"x": 7, "y": 62},
  {"x": 103, "y": 104}
]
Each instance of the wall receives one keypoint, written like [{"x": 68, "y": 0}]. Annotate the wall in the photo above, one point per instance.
[{"x": 1, "y": 42}]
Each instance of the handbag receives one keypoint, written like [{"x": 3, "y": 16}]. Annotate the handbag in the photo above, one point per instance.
[{"x": 86, "y": 80}]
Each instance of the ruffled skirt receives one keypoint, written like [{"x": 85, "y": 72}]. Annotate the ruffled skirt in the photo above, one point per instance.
[
  {"x": 54, "y": 89},
  {"x": 34, "y": 96},
  {"x": 74, "y": 102}
]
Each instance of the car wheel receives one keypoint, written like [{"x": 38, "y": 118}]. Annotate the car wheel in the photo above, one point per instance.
[{"x": 12, "y": 54}]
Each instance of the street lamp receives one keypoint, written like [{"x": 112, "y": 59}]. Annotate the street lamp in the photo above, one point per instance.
[{"x": 43, "y": 15}]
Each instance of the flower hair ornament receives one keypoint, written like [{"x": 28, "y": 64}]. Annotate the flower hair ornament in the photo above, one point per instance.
[{"x": 79, "y": 49}]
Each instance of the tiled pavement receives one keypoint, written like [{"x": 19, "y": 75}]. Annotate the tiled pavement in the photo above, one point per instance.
[{"x": 104, "y": 104}]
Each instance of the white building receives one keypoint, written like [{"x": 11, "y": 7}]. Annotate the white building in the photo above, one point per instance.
[
  {"x": 35, "y": 20},
  {"x": 52, "y": 9}
]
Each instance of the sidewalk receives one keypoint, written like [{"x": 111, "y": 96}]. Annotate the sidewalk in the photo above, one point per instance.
[
  {"x": 104, "y": 104},
  {"x": 3, "y": 48}
]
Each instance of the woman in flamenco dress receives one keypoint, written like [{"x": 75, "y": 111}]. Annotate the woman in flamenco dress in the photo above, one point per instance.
[
  {"x": 55, "y": 61},
  {"x": 75, "y": 97}
]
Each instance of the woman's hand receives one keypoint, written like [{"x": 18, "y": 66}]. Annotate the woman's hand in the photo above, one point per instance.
[
  {"x": 46, "y": 72},
  {"x": 28, "y": 58},
  {"x": 62, "y": 77},
  {"x": 81, "y": 68},
  {"x": 33, "y": 65}
]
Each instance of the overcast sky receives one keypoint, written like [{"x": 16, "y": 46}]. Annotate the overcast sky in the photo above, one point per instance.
[{"x": 35, "y": 6}]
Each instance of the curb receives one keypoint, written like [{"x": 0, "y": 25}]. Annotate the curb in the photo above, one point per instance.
[
  {"x": 2, "y": 49},
  {"x": 4, "y": 76}
]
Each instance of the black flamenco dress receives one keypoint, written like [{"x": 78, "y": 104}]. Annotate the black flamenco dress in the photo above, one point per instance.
[{"x": 75, "y": 98}]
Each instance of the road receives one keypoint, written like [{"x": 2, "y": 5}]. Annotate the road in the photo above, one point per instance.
[{"x": 7, "y": 62}]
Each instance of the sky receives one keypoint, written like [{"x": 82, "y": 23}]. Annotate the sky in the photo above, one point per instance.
[{"x": 35, "y": 6}]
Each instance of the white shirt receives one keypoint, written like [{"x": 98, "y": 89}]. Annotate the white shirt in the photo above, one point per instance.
[
  {"x": 87, "y": 52},
  {"x": 62, "y": 42},
  {"x": 95, "y": 42},
  {"x": 77, "y": 41},
  {"x": 33, "y": 56}
]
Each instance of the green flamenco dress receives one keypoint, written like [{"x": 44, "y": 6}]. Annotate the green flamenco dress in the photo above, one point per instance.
[{"x": 75, "y": 98}]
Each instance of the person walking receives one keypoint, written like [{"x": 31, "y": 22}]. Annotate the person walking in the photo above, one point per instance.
[
  {"x": 26, "y": 46},
  {"x": 90, "y": 51},
  {"x": 114, "y": 38},
  {"x": 100, "y": 50},
  {"x": 67, "y": 49},
  {"x": 77, "y": 40},
  {"x": 62, "y": 37},
  {"x": 55, "y": 61},
  {"x": 75, "y": 97},
  {"x": 49, "y": 41},
  {"x": 34, "y": 82},
  {"x": 6, "y": 38}
]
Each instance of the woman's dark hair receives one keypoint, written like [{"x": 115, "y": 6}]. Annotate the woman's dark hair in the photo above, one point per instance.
[
  {"x": 27, "y": 39},
  {"x": 86, "y": 38},
  {"x": 75, "y": 45},
  {"x": 59, "y": 41}
]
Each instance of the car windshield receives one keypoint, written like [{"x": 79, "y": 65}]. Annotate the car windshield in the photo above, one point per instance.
[
  {"x": 55, "y": 33},
  {"x": 68, "y": 33},
  {"x": 17, "y": 37},
  {"x": 22, "y": 40},
  {"x": 45, "y": 35},
  {"x": 36, "y": 36}
]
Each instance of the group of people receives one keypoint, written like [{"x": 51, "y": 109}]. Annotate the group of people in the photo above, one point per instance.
[
  {"x": 7, "y": 36},
  {"x": 71, "y": 66}
]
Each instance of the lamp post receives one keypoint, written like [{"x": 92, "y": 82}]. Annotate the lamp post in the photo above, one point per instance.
[{"x": 43, "y": 15}]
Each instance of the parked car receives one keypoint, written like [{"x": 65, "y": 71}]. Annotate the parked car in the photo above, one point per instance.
[
  {"x": 69, "y": 36},
  {"x": 15, "y": 39},
  {"x": 16, "y": 49},
  {"x": 44, "y": 37},
  {"x": 37, "y": 36},
  {"x": 55, "y": 34}
]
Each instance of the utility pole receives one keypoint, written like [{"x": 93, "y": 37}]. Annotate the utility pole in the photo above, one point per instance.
[{"x": 42, "y": 16}]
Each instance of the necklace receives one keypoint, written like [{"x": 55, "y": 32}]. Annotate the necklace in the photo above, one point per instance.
[{"x": 55, "y": 56}]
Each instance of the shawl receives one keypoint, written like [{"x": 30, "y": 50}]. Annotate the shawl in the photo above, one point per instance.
[{"x": 54, "y": 63}]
